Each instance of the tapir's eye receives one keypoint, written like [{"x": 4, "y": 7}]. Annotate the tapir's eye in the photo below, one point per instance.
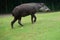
[{"x": 45, "y": 7}]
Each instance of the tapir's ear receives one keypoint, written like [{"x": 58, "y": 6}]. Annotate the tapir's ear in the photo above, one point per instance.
[{"x": 42, "y": 4}]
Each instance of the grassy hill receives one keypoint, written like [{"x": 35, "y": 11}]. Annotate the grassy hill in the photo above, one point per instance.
[{"x": 47, "y": 27}]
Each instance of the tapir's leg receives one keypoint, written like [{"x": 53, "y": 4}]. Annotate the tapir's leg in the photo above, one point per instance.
[
  {"x": 34, "y": 18},
  {"x": 14, "y": 20},
  {"x": 19, "y": 21}
]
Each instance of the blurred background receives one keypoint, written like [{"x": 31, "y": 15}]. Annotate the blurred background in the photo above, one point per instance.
[{"x": 6, "y": 6}]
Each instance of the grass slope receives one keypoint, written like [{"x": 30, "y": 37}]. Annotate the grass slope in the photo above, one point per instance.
[{"x": 47, "y": 27}]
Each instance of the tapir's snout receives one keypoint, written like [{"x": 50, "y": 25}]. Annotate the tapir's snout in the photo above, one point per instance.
[{"x": 45, "y": 9}]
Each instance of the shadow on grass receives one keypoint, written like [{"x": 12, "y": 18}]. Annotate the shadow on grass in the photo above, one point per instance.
[{"x": 25, "y": 25}]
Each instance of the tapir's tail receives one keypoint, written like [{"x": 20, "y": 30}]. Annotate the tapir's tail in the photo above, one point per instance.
[{"x": 12, "y": 14}]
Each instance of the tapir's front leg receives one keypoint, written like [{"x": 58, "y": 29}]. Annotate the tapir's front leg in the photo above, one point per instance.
[{"x": 34, "y": 18}]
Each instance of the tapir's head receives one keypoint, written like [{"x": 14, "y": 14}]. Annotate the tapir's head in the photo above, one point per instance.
[{"x": 43, "y": 7}]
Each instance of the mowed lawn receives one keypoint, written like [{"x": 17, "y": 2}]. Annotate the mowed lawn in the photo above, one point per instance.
[{"x": 47, "y": 27}]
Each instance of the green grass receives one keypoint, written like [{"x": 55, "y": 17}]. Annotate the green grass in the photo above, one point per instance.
[{"x": 47, "y": 27}]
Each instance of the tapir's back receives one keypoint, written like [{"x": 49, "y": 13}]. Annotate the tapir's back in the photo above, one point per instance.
[{"x": 25, "y": 9}]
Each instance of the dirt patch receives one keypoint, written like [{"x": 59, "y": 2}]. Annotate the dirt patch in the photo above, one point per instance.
[{"x": 5, "y": 15}]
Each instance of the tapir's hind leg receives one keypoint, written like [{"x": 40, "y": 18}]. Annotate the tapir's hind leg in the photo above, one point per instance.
[
  {"x": 32, "y": 18},
  {"x": 14, "y": 20},
  {"x": 19, "y": 21}
]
